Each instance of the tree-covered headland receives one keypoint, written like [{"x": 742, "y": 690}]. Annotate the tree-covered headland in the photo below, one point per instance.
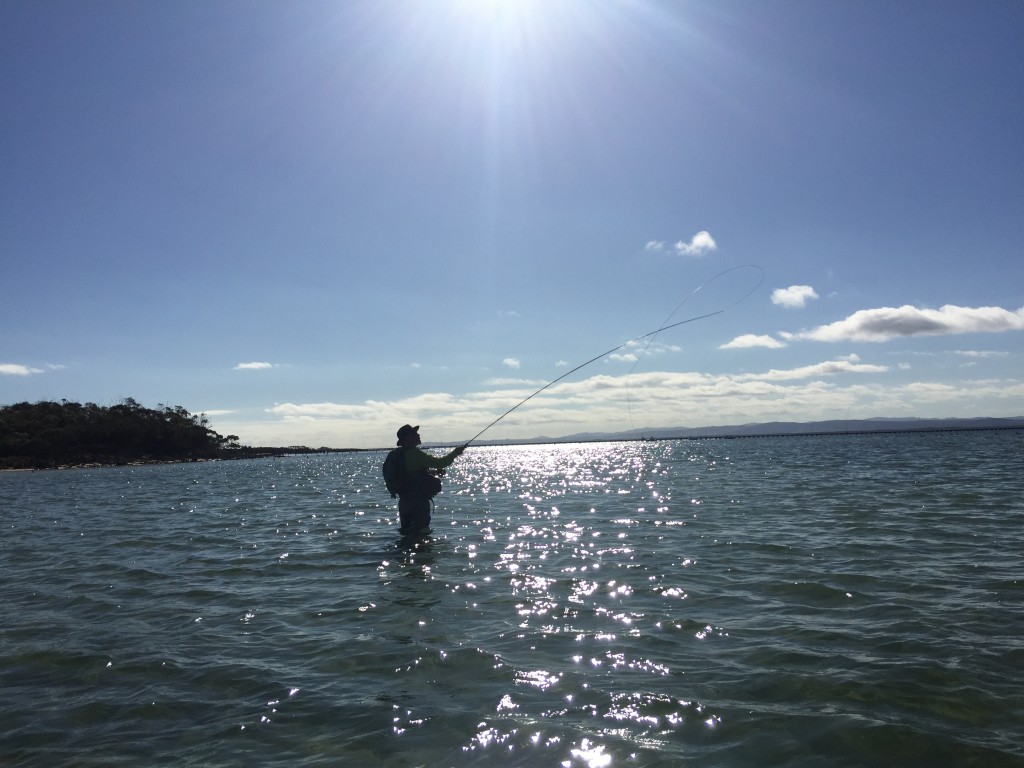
[{"x": 49, "y": 434}]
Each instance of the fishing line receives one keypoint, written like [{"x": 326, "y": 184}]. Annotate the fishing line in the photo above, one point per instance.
[{"x": 664, "y": 327}]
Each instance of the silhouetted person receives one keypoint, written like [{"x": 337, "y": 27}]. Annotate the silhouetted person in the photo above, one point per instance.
[{"x": 419, "y": 480}]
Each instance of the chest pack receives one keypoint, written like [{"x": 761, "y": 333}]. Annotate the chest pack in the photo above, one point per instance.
[{"x": 399, "y": 482}]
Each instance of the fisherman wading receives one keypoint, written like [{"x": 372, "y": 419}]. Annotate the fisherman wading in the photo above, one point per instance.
[{"x": 412, "y": 476}]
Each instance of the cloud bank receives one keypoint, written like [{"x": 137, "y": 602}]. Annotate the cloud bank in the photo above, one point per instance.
[
  {"x": 686, "y": 397},
  {"x": 253, "y": 366},
  {"x": 844, "y": 387}
]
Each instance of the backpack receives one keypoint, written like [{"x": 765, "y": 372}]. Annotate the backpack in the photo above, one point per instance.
[
  {"x": 394, "y": 471},
  {"x": 399, "y": 482}
]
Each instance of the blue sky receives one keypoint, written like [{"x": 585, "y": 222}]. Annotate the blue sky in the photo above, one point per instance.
[{"x": 315, "y": 221}]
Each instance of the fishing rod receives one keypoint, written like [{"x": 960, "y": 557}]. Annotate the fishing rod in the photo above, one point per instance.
[
  {"x": 592, "y": 360},
  {"x": 664, "y": 323},
  {"x": 638, "y": 338}
]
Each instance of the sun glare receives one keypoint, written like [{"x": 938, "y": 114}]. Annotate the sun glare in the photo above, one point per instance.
[
  {"x": 496, "y": 10},
  {"x": 514, "y": 18}
]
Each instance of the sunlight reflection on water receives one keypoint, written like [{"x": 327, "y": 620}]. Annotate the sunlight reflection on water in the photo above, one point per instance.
[{"x": 582, "y": 623}]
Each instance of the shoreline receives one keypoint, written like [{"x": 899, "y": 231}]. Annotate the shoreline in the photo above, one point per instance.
[{"x": 276, "y": 453}]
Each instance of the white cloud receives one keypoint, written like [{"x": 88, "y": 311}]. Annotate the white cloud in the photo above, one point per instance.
[
  {"x": 699, "y": 243},
  {"x": 253, "y": 366},
  {"x": 319, "y": 410},
  {"x": 632, "y": 351},
  {"x": 849, "y": 364},
  {"x": 750, "y": 340},
  {"x": 887, "y": 323},
  {"x": 562, "y": 364},
  {"x": 511, "y": 362},
  {"x": 14, "y": 369},
  {"x": 794, "y": 297}
]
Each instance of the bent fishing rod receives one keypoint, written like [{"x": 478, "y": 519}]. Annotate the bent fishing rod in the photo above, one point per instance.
[
  {"x": 650, "y": 336},
  {"x": 591, "y": 360}
]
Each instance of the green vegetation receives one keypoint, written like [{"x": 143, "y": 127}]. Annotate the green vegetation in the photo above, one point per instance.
[{"x": 48, "y": 434}]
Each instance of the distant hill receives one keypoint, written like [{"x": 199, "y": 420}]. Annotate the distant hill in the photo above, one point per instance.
[{"x": 786, "y": 428}]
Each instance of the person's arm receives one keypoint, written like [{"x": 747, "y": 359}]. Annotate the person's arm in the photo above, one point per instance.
[{"x": 416, "y": 459}]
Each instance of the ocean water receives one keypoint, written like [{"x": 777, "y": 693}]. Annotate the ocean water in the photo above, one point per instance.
[{"x": 803, "y": 601}]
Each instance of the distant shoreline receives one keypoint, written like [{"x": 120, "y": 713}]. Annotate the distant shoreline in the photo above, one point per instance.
[{"x": 276, "y": 453}]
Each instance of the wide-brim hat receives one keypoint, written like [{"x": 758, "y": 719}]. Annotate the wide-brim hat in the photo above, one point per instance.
[{"x": 405, "y": 430}]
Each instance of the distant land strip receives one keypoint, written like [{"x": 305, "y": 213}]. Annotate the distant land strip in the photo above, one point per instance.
[{"x": 832, "y": 428}]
